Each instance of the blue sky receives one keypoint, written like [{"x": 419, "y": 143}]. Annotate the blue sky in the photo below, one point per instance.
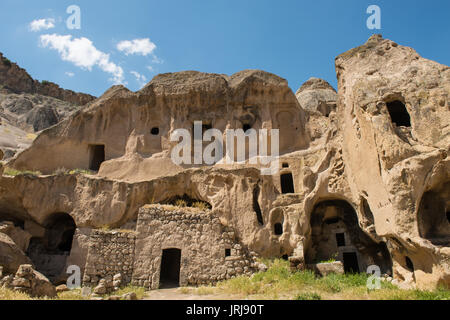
[{"x": 294, "y": 39}]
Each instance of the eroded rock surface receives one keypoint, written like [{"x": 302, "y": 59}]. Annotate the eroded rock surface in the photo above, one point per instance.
[
  {"x": 11, "y": 257},
  {"x": 363, "y": 173},
  {"x": 28, "y": 106}
]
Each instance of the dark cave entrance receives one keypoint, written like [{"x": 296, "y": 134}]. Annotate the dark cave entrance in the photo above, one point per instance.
[
  {"x": 246, "y": 127},
  {"x": 350, "y": 262},
  {"x": 287, "y": 183},
  {"x": 96, "y": 156},
  {"x": 278, "y": 229},
  {"x": 170, "y": 268},
  {"x": 155, "y": 131},
  {"x": 399, "y": 114},
  {"x": 409, "y": 264},
  {"x": 49, "y": 254},
  {"x": 256, "y": 206},
  {"x": 433, "y": 216},
  {"x": 336, "y": 234},
  {"x": 340, "y": 239}
]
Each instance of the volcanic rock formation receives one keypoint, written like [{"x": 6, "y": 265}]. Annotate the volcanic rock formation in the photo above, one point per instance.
[
  {"x": 28, "y": 106},
  {"x": 363, "y": 174}
]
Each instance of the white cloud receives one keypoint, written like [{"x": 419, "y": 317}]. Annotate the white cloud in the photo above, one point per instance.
[
  {"x": 142, "y": 47},
  {"x": 157, "y": 60},
  {"x": 150, "y": 68},
  {"x": 70, "y": 74},
  {"x": 42, "y": 24},
  {"x": 82, "y": 53},
  {"x": 140, "y": 78}
]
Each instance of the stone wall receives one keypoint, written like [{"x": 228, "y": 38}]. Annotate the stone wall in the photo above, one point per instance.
[
  {"x": 110, "y": 253},
  {"x": 210, "y": 251}
]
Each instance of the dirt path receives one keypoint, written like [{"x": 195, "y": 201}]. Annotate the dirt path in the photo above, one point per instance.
[{"x": 176, "y": 294}]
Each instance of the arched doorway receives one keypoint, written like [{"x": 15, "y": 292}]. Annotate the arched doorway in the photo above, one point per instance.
[
  {"x": 336, "y": 234},
  {"x": 170, "y": 268},
  {"x": 49, "y": 253}
]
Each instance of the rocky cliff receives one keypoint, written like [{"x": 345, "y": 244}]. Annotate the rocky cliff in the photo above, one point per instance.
[
  {"x": 17, "y": 80},
  {"x": 28, "y": 106}
]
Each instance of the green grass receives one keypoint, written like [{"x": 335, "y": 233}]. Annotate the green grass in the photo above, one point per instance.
[
  {"x": 308, "y": 296},
  {"x": 180, "y": 203},
  {"x": 278, "y": 282},
  {"x": 140, "y": 292},
  {"x": 75, "y": 294},
  {"x": 60, "y": 171},
  {"x": 82, "y": 171},
  {"x": 8, "y": 294},
  {"x": 200, "y": 205},
  {"x": 64, "y": 171},
  {"x": 13, "y": 172}
]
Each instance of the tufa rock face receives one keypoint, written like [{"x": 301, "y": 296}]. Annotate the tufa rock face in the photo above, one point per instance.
[
  {"x": 11, "y": 257},
  {"x": 138, "y": 150},
  {"x": 319, "y": 99},
  {"x": 394, "y": 110},
  {"x": 42, "y": 117},
  {"x": 364, "y": 173},
  {"x": 317, "y": 95}
]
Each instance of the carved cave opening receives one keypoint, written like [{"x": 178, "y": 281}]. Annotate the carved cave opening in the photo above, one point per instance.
[
  {"x": 170, "y": 268},
  {"x": 336, "y": 234},
  {"x": 246, "y": 127},
  {"x": 351, "y": 264},
  {"x": 433, "y": 215},
  {"x": 287, "y": 183},
  {"x": 49, "y": 253},
  {"x": 256, "y": 206},
  {"x": 278, "y": 229},
  {"x": 399, "y": 114},
  {"x": 409, "y": 264},
  {"x": 340, "y": 239},
  {"x": 154, "y": 131},
  {"x": 96, "y": 156}
]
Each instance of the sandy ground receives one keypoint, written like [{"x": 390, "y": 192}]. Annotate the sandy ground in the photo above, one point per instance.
[{"x": 176, "y": 294}]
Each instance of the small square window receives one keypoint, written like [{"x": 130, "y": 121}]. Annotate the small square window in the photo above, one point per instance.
[
  {"x": 340, "y": 239},
  {"x": 227, "y": 252},
  {"x": 278, "y": 229}
]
